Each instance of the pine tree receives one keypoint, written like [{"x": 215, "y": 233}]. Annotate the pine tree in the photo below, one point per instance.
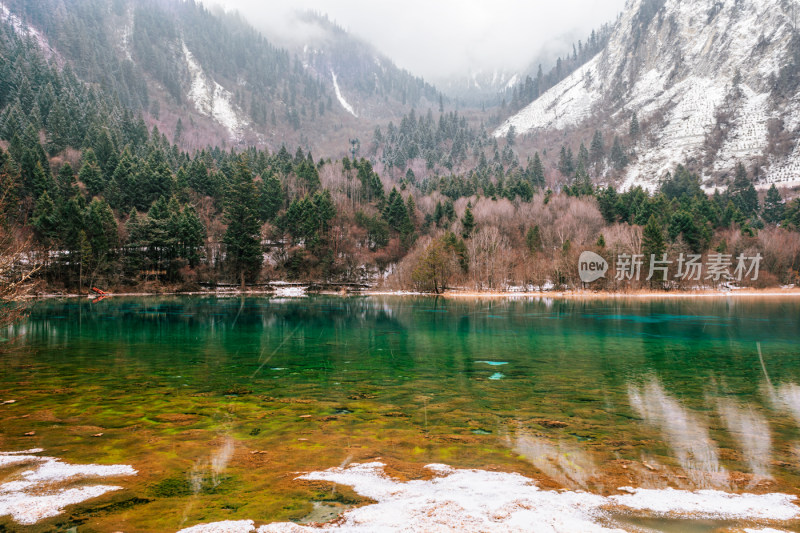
[
  {"x": 243, "y": 236},
  {"x": 565, "y": 162},
  {"x": 67, "y": 187},
  {"x": 511, "y": 136},
  {"x": 607, "y": 202},
  {"x": 601, "y": 241},
  {"x": 395, "y": 212},
  {"x": 634, "y": 127},
  {"x": 533, "y": 239},
  {"x": 653, "y": 242},
  {"x": 42, "y": 181},
  {"x": 583, "y": 157},
  {"x": 45, "y": 220},
  {"x": 178, "y": 135},
  {"x": 468, "y": 223},
  {"x": 618, "y": 157},
  {"x": 272, "y": 198},
  {"x": 192, "y": 235},
  {"x": 773, "y": 206},
  {"x": 90, "y": 174},
  {"x": 742, "y": 193},
  {"x": 101, "y": 229},
  {"x": 597, "y": 147},
  {"x": 411, "y": 209},
  {"x": 135, "y": 229},
  {"x": 537, "y": 171}
]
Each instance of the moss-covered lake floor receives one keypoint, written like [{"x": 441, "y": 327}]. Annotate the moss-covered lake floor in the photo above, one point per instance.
[{"x": 220, "y": 404}]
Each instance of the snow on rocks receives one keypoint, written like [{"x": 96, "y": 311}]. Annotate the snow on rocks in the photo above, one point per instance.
[
  {"x": 39, "y": 493},
  {"x": 212, "y": 99},
  {"x": 347, "y": 107},
  {"x": 477, "y": 500}
]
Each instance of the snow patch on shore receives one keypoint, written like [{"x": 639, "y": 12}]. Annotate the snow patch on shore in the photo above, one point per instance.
[
  {"x": 33, "y": 495},
  {"x": 347, "y": 107},
  {"x": 290, "y": 292},
  {"x": 477, "y": 500}
]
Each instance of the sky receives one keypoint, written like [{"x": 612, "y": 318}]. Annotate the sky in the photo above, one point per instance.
[{"x": 441, "y": 38}]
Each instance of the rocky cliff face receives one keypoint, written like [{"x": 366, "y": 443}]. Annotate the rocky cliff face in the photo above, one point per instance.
[{"x": 715, "y": 81}]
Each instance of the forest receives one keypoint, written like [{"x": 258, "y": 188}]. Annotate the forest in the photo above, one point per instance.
[{"x": 92, "y": 197}]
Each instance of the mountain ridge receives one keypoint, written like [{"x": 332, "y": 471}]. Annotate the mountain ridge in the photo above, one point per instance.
[{"x": 700, "y": 74}]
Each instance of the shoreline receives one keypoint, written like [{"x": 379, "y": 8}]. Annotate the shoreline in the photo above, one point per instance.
[{"x": 568, "y": 294}]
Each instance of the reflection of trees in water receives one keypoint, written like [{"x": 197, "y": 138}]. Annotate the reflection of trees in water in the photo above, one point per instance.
[
  {"x": 684, "y": 431},
  {"x": 561, "y": 461}
]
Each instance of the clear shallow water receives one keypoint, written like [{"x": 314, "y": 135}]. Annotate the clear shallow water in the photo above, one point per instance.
[{"x": 218, "y": 402}]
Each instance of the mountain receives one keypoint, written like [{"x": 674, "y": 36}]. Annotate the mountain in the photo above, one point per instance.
[
  {"x": 712, "y": 82},
  {"x": 480, "y": 87},
  {"x": 366, "y": 83},
  {"x": 208, "y": 77}
]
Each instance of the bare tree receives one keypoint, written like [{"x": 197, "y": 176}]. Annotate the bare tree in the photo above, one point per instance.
[{"x": 17, "y": 263}]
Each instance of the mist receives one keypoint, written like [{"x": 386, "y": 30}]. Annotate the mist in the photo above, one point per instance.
[{"x": 441, "y": 39}]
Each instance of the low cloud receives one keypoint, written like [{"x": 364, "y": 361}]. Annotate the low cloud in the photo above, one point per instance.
[{"x": 443, "y": 38}]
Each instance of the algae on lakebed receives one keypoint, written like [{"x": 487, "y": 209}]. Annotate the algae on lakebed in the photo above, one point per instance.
[{"x": 219, "y": 403}]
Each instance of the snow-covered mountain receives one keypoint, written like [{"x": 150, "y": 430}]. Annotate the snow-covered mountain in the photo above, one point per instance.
[{"x": 714, "y": 80}]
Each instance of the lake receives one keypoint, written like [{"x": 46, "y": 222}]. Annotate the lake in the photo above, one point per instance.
[{"x": 220, "y": 404}]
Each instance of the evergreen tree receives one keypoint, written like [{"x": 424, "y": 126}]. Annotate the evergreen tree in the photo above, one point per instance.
[
  {"x": 45, "y": 220},
  {"x": 192, "y": 235},
  {"x": 742, "y": 193},
  {"x": 634, "y": 127},
  {"x": 601, "y": 241},
  {"x": 597, "y": 147},
  {"x": 618, "y": 157},
  {"x": 653, "y": 242},
  {"x": 411, "y": 209},
  {"x": 607, "y": 202},
  {"x": 101, "y": 230},
  {"x": 773, "y": 206},
  {"x": 533, "y": 239},
  {"x": 537, "y": 171},
  {"x": 511, "y": 136},
  {"x": 565, "y": 162},
  {"x": 135, "y": 229},
  {"x": 272, "y": 198},
  {"x": 324, "y": 211},
  {"x": 90, "y": 174},
  {"x": 468, "y": 223},
  {"x": 395, "y": 212},
  {"x": 583, "y": 157},
  {"x": 243, "y": 236},
  {"x": 67, "y": 187},
  {"x": 42, "y": 181}
]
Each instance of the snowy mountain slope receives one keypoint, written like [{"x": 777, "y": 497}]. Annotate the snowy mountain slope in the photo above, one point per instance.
[
  {"x": 212, "y": 99},
  {"x": 566, "y": 104},
  {"x": 684, "y": 64},
  {"x": 25, "y": 30}
]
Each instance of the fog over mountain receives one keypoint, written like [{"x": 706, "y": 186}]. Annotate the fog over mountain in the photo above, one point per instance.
[{"x": 438, "y": 40}]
